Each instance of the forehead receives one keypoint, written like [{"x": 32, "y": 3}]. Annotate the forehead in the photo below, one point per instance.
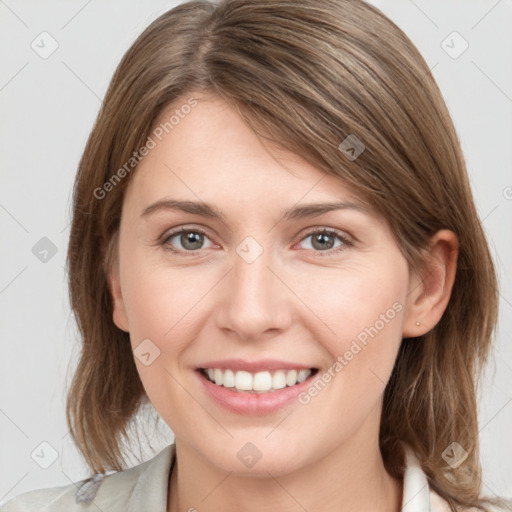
[{"x": 207, "y": 152}]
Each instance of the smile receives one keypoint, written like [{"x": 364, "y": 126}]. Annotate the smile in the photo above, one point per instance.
[{"x": 259, "y": 382}]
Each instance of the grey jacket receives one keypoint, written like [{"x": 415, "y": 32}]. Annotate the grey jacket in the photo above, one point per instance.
[{"x": 145, "y": 486}]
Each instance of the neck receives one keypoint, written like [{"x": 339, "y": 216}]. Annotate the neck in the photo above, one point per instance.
[{"x": 339, "y": 482}]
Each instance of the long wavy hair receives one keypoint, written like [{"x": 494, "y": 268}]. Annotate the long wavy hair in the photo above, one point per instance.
[{"x": 305, "y": 74}]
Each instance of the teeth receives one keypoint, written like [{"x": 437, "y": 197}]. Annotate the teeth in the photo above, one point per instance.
[
  {"x": 243, "y": 381},
  {"x": 291, "y": 377},
  {"x": 259, "y": 382},
  {"x": 262, "y": 381},
  {"x": 279, "y": 380},
  {"x": 229, "y": 379},
  {"x": 303, "y": 375}
]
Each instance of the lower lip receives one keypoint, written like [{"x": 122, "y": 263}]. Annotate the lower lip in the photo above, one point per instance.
[{"x": 253, "y": 403}]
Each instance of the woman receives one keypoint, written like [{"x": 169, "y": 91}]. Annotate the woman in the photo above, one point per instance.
[{"x": 275, "y": 244}]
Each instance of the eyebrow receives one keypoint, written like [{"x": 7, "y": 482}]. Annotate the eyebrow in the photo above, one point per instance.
[{"x": 207, "y": 210}]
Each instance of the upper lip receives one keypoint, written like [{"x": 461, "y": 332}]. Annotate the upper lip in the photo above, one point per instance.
[{"x": 253, "y": 366}]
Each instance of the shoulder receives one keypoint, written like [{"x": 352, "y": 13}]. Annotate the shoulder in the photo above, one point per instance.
[
  {"x": 75, "y": 496},
  {"x": 121, "y": 491},
  {"x": 40, "y": 499}
]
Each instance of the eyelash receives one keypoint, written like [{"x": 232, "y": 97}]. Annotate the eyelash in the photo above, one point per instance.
[{"x": 346, "y": 242}]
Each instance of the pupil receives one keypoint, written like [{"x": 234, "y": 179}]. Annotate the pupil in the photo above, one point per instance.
[
  {"x": 322, "y": 238},
  {"x": 192, "y": 238}
]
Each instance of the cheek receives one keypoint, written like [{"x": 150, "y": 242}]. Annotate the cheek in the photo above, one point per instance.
[
  {"x": 159, "y": 300},
  {"x": 350, "y": 300},
  {"x": 162, "y": 307},
  {"x": 363, "y": 310}
]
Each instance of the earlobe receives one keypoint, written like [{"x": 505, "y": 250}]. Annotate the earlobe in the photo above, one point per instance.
[
  {"x": 119, "y": 313},
  {"x": 430, "y": 293}
]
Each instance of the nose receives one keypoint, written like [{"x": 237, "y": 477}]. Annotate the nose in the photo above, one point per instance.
[{"x": 256, "y": 303}]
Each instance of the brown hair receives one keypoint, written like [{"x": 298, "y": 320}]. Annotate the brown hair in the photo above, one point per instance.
[{"x": 305, "y": 74}]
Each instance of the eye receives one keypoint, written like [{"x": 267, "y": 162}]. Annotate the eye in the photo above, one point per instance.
[
  {"x": 324, "y": 240},
  {"x": 190, "y": 239}
]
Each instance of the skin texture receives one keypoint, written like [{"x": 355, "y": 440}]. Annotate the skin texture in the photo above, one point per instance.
[{"x": 296, "y": 302}]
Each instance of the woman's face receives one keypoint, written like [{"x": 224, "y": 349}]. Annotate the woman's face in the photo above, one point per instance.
[{"x": 252, "y": 291}]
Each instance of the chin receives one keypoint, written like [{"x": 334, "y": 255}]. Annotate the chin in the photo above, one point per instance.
[{"x": 257, "y": 460}]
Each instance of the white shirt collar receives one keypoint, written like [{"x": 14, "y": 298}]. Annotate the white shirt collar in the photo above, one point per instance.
[{"x": 416, "y": 491}]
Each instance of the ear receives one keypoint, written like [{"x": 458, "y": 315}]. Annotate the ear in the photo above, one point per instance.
[
  {"x": 114, "y": 284},
  {"x": 430, "y": 292}
]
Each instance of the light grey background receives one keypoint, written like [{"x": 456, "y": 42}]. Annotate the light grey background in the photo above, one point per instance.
[{"x": 48, "y": 106}]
